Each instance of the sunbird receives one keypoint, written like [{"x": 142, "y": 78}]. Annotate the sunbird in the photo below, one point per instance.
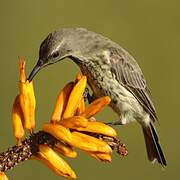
[{"x": 111, "y": 71}]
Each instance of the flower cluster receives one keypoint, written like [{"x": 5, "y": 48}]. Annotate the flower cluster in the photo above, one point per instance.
[{"x": 72, "y": 125}]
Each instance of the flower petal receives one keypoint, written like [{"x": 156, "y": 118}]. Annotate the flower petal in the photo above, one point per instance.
[
  {"x": 61, "y": 102},
  {"x": 96, "y": 106},
  {"x": 55, "y": 162},
  {"x": 74, "y": 122},
  {"x": 65, "y": 150},
  {"x": 17, "y": 118},
  {"x": 89, "y": 143},
  {"x": 32, "y": 104},
  {"x": 75, "y": 97},
  {"x": 58, "y": 131},
  {"x": 28, "y": 104},
  {"x": 99, "y": 128},
  {"x": 3, "y": 176}
]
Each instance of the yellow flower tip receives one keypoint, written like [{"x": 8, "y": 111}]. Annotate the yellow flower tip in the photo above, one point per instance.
[
  {"x": 89, "y": 143},
  {"x": 96, "y": 106},
  {"x": 75, "y": 97},
  {"x": 22, "y": 69},
  {"x": 58, "y": 131},
  {"x": 99, "y": 128},
  {"x": 17, "y": 119},
  {"x": 65, "y": 150},
  {"x": 3, "y": 176},
  {"x": 74, "y": 122},
  {"x": 61, "y": 102},
  {"x": 78, "y": 77},
  {"x": 55, "y": 162}
]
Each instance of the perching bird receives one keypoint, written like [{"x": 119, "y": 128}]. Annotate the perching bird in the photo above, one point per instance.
[{"x": 111, "y": 71}]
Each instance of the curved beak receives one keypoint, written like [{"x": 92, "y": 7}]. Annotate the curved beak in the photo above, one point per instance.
[{"x": 34, "y": 72}]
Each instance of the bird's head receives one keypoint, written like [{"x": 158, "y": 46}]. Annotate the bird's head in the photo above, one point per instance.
[
  {"x": 53, "y": 49},
  {"x": 77, "y": 43},
  {"x": 60, "y": 44}
]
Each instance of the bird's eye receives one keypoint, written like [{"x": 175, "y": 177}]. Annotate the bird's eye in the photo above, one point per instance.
[{"x": 55, "y": 54}]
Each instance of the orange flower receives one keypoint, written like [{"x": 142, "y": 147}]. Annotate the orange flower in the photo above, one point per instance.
[
  {"x": 59, "y": 132},
  {"x": 55, "y": 162},
  {"x": 27, "y": 98},
  {"x": 75, "y": 97},
  {"x": 18, "y": 119},
  {"x": 96, "y": 106},
  {"x": 61, "y": 102}
]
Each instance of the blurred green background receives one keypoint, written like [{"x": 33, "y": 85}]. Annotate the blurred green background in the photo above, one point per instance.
[{"x": 148, "y": 29}]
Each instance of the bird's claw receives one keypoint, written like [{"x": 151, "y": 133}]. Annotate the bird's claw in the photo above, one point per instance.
[
  {"x": 87, "y": 96},
  {"x": 115, "y": 123}
]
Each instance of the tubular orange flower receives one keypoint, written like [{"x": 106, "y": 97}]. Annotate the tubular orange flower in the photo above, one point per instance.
[
  {"x": 58, "y": 131},
  {"x": 89, "y": 143},
  {"x": 75, "y": 97},
  {"x": 3, "y": 176},
  {"x": 27, "y": 98},
  {"x": 17, "y": 118},
  {"x": 99, "y": 128},
  {"x": 74, "y": 122},
  {"x": 61, "y": 102},
  {"x": 55, "y": 162},
  {"x": 96, "y": 106}
]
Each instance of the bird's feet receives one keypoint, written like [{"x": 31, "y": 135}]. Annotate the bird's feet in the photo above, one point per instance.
[
  {"x": 87, "y": 96},
  {"x": 115, "y": 123}
]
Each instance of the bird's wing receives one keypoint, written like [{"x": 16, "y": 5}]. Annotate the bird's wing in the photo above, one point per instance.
[{"x": 129, "y": 74}]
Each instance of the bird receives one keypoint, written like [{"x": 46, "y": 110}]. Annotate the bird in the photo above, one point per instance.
[{"x": 110, "y": 71}]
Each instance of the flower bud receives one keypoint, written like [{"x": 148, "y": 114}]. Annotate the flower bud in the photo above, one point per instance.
[
  {"x": 74, "y": 122},
  {"x": 17, "y": 119},
  {"x": 27, "y": 98},
  {"x": 96, "y": 106},
  {"x": 59, "y": 132},
  {"x": 99, "y": 128},
  {"x": 55, "y": 162},
  {"x": 89, "y": 143},
  {"x": 75, "y": 97},
  {"x": 61, "y": 102}
]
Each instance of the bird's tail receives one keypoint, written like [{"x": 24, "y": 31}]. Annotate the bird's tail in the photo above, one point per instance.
[{"x": 153, "y": 146}]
